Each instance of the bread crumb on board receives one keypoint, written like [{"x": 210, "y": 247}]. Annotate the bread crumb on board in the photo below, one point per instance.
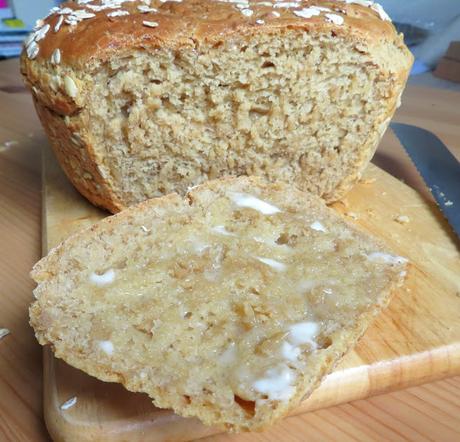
[
  {"x": 401, "y": 219},
  {"x": 8, "y": 144},
  {"x": 367, "y": 180}
]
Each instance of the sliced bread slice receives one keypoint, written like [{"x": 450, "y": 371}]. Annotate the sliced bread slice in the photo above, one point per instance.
[{"x": 229, "y": 304}]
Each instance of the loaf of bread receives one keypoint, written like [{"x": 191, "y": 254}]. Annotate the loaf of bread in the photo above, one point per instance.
[
  {"x": 229, "y": 304},
  {"x": 143, "y": 98}
]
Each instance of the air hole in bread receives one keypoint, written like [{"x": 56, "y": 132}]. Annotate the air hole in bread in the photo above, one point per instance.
[
  {"x": 268, "y": 64},
  {"x": 324, "y": 343},
  {"x": 283, "y": 239},
  {"x": 259, "y": 111},
  {"x": 249, "y": 407},
  {"x": 125, "y": 109},
  {"x": 287, "y": 239}
]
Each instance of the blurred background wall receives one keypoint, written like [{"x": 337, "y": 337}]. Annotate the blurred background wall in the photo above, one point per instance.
[
  {"x": 428, "y": 14},
  {"x": 30, "y": 10},
  {"x": 439, "y": 18}
]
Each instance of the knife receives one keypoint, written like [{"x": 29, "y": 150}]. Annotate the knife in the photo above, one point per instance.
[{"x": 438, "y": 167}]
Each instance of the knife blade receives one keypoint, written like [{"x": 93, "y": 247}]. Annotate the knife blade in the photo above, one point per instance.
[{"x": 438, "y": 167}]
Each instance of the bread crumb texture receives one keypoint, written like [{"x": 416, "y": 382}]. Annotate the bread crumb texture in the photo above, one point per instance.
[
  {"x": 229, "y": 305},
  {"x": 140, "y": 99}
]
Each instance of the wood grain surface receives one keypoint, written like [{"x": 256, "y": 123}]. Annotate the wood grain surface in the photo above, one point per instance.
[{"x": 429, "y": 412}]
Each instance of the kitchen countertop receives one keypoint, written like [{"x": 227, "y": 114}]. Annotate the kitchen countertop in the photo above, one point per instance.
[{"x": 427, "y": 412}]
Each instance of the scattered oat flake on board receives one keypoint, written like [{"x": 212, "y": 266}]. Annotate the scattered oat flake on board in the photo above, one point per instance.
[
  {"x": 4, "y": 332},
  {"x": 68, "y": 404},
  {"x": 448, "y": 203},
  {"x": 402, "y": 219},
  {"x": 7, "y": 145},
  {"x": 11, "y": 143},
  {"x": 367, "y": 180}
]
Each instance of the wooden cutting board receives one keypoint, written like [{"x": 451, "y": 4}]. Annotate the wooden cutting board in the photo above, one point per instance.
[{"x": 416, "y": 340}]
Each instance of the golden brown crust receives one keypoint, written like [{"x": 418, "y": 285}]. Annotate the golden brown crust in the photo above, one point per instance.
[{"x": 193, "y": 22}]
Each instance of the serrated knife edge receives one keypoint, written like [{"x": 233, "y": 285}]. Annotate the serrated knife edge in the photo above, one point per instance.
[{"x": 437, "y": 166}]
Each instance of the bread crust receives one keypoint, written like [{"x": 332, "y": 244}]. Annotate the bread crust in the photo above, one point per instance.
[{"x": 192, "y": 23}]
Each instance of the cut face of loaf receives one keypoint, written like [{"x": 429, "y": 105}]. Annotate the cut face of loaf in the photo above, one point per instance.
[
  {"x": 136, "y": 111},
  {"x": 229, "y": 305}
]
